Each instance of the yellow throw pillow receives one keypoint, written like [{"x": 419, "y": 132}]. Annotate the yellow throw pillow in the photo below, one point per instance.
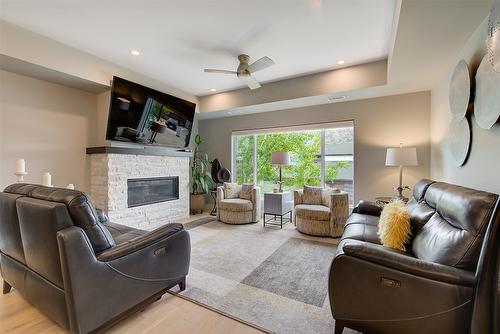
[{"x": 394, "y": 226}]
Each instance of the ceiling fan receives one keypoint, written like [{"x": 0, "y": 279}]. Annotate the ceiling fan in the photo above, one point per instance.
[{"x": 245, "y": 70}]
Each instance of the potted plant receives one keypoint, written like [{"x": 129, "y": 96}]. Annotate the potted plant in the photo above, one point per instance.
[{"x": 201, "y": 179}]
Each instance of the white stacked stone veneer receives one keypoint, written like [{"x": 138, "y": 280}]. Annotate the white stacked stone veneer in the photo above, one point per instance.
[{"x": 108, "y": 187}]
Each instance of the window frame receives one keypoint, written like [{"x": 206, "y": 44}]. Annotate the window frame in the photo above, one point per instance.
[{"x": 294, "y": 128}]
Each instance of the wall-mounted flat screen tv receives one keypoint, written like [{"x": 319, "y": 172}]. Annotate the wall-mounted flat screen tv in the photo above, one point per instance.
[{"x": 145, "y": 116}]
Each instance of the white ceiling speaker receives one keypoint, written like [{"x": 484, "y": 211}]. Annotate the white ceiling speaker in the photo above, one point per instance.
[{"x": 245, "y": 70}]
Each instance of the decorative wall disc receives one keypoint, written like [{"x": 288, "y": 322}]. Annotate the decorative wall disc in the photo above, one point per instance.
[
  {"x": 487, "y": 100},
  {"x": 460, "y": 90},
  {"x": 459, "y": 139},
  {"x": 493, "y": 37}
]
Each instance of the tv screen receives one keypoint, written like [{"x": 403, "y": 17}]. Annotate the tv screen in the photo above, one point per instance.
[{"x": 145, "y": 116}]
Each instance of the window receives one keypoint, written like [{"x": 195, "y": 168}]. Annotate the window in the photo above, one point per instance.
[
  {"x": 243, "y": 159},
  {"x": 320, "y": 156}
]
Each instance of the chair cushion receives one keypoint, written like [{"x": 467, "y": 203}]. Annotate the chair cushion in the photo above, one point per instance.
[
  {"x": 236, "y": 205},
  {"x": 312, "y": 195},
  {"x": 246, "y": 191},
  {"x": 231, "y": 190},
  {"x": 454, "y": 234},
  {"x": 313, "y": 212},
  {"x": 420, "y": 213},
  {"x": 361, "y": 232},
  {"x": 359, "y": 218}
]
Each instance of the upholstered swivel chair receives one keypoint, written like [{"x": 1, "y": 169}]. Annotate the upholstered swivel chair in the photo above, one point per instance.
[
  {"x": 80, "y": 270},
  {"x": 446, "y": 281},
  {"x": 236, "y": 205},
  {"x": 320, "y": 212}
]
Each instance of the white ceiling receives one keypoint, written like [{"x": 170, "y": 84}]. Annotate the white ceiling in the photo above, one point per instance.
[
  {"x": 430, "y": 35},
  {"x": 180, "y": 38}
]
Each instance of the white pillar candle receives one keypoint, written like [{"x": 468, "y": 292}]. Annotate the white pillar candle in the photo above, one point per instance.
[
  {"x": 70, "y": 186},
  {"x": 47, "y": 179},
  {"x": 20, "y": 166}
]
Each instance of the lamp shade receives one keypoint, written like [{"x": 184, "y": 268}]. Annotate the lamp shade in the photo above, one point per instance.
[
  {"x": 280, "y": 158},
  {"x": 401, "y": 156}
]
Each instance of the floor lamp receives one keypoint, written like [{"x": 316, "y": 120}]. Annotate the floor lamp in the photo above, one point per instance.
[{"x": 401, "y": 156}]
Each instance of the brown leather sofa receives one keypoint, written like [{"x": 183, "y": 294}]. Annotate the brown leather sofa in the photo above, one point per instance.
[
  {"x": 79, "y": 269},
  {"x": 446, "y": 282}
]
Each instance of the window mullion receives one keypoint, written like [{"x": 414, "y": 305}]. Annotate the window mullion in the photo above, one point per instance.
[
  {"x": 255, "y": 158},
  {"x": 322, "y": 153},
  {"x": 234, "y": 149}
]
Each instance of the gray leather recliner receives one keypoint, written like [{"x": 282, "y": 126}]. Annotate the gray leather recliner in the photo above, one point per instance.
[
  {"x": 79, "y": 269},
  {"x": 446, "y": 281}
]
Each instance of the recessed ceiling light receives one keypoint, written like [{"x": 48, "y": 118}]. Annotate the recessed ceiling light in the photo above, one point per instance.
[
  {"x": 213, "y": 89},
  {"x": 336, "y": 98},
  {"x": 340, "y": 62},
  {"x": 135, "y": 52}
]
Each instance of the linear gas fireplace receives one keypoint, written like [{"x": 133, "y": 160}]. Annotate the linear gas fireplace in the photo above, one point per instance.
[{"x": 152, "y": 190}]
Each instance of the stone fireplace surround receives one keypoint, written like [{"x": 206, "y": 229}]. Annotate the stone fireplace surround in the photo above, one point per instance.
[{"x": 110, "y": 168}]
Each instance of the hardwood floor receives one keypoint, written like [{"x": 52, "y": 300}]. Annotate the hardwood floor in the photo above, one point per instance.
[{"x": 170, "y": 314}]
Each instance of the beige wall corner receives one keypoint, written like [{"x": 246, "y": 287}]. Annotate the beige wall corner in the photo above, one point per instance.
[{"x": 49, "y": 126}]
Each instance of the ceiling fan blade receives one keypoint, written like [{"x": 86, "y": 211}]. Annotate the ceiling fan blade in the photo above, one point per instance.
[
  {"x": 252, "y": 83},
  {"x": 260, "y": 64},
  {"x": 210, "y": 70}
]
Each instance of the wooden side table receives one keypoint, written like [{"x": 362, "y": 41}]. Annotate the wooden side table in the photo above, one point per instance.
[{"x": 278, "y": 204}]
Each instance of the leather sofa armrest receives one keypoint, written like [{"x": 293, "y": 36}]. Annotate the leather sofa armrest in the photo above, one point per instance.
[
  {"x": 105, "y": 285},
  {"x": 401, "y": 261},
  {"x": 143, "y": 241},
  {"x": 368, "y": 208}
]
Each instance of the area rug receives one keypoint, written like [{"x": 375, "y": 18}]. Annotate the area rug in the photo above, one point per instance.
[
  {"x": 199, "y": 222},
  {"x": 273, "y": 279}
]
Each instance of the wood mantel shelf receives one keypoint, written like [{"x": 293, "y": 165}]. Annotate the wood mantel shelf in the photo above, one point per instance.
[{"x": 154, "y": 151}]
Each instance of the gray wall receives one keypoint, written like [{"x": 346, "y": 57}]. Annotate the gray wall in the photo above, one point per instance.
[
  {"x": 481, "y": 169},
  {"x": 379, "y": 123},
  {"x": 49, "y": 126}
]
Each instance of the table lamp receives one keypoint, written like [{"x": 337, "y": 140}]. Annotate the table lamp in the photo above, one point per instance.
[
  {"x": 401, "y": 156},
  {"x": 280, "y": 159}
]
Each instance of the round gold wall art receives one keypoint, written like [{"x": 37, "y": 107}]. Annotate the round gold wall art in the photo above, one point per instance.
[
  {"x": 487, "y": 99},
  {"x": 459, "y": 138},
  {"x": 460, "y": 90}
]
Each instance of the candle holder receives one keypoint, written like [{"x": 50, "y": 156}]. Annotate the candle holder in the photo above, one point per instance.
[{"x": 20, "y": 176}]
